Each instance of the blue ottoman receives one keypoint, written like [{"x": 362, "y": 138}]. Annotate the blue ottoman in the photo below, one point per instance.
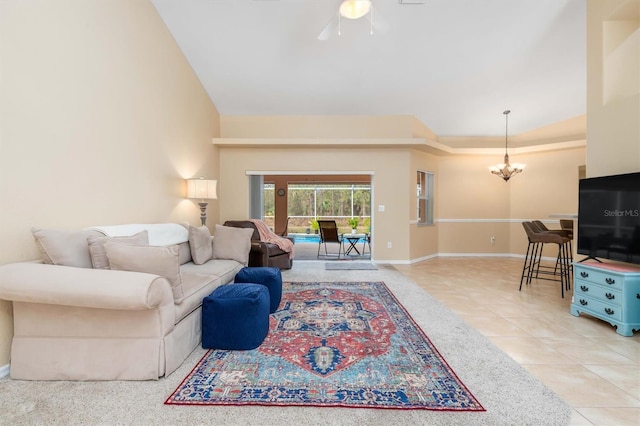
[
  {"x": 235, "y": 317},
  {"x": 267, "y": 276}
]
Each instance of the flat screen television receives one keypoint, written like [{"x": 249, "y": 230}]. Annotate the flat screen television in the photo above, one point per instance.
[{"x": 609, "y": 218}]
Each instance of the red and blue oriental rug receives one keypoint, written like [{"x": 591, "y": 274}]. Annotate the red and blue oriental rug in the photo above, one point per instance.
[{"x": 338, "y": 344}]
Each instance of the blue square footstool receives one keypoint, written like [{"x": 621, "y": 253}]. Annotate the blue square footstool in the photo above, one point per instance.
[
  {"x": 267, "y": 276},
  {"x": 235, "y": 317}
]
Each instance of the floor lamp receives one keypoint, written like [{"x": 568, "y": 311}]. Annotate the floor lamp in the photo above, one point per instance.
[{"x": 202, "y": 189}]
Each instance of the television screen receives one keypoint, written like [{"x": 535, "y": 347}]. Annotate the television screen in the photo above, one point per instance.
[{"x": 609, "y": 217}]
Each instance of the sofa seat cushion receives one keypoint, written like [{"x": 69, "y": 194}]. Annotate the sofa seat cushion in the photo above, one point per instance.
[
  {"x": 196, "y": 287},
  {"x": 224, "y": 269},
  {"x": 198, "y": 281}
]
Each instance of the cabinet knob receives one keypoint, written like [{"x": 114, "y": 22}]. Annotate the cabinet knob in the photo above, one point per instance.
[
  {"x": 610, "y": 296},
  {"x": 583, "y": 302},
  {"x": 584, "y": 274},
  {"x": 610, "y": 281},
  {"x": 584, "y": 288},
  {"x": 609, "y": 311}
]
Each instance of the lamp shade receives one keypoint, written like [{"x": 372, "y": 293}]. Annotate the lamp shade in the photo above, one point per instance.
[
  {"x": 354, "y": 9},
  {"x": 204, "y": 189}
]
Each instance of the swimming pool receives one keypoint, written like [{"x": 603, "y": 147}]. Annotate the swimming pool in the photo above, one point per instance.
[
  {"x": 306, "y": 238},
  {"x": 312, "y": 238}
]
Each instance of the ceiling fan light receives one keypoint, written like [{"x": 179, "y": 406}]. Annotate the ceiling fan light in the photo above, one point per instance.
[{"x": 354, "y": 9}]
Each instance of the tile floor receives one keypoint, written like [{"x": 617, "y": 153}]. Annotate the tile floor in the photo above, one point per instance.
[{"x": 581, "y": 358}]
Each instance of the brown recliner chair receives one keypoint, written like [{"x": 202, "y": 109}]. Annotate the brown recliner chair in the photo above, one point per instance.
[{"x": 263, "y": 254}]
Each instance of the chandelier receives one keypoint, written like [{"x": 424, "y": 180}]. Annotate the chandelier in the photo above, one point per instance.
[{"x": 506, "y": 170}]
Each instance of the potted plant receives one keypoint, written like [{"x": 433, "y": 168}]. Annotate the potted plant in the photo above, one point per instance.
[
  {"x": 353, "y": 223},
  {"x": 314, "y": 225}
]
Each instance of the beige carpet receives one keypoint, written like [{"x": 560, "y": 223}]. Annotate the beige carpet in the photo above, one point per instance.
[
  {"x": 509, "y": 393},
  {"x": 349, "y": 265}
]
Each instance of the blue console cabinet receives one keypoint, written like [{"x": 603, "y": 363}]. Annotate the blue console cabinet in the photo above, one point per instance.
[{"x": 610, "y": 292}]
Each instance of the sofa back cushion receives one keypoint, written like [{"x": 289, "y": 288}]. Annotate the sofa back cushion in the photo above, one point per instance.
[
  {"x": 185, "y": 253},
  {"x": 245, "y": 224},
  {"x": 67, "y": 248},
  {"x": 99, "y": 258},
  {"x": 232, "y": 243},
  {"x": 200, "y": 244},
  {"x": 160, "y": 234},
  {"x": 163, "y": 261}
]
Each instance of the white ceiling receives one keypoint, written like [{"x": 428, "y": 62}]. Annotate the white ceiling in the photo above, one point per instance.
[{"x": 454, "y": 64}]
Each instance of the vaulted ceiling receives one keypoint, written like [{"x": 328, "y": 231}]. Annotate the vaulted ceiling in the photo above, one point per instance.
[{"x": 456, "y": 65}]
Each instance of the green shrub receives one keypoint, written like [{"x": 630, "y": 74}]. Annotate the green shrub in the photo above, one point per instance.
[{"x": 353, "y": 222}]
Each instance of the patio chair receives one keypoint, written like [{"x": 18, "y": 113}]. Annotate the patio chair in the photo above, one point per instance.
[
  {"x": 286, "y": 229},
  {"x": 328, "y": 235},
  {"x": 366, "y": 243}
]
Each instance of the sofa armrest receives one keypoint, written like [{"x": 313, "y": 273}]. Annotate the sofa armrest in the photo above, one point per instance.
[
  {"x": 259, "y": 254},
  {"x": 82, "y": 287}
]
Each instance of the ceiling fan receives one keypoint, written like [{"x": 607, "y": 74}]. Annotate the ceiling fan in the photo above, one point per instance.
[{"x": 354, "y": 9}]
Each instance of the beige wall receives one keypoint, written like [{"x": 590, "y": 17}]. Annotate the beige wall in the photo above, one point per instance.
[
  {"x": 323, "y": 127},
  {"x": 102, "y": 119},
  {"x": 613, "y": 87},
  {"x": 423, "y": 239},
  {"x": 570, "y": 130},
  {"x": 549, "y": 186},
  {"x": 391, "y": 175},
  {"x": 473, "y": 205}
]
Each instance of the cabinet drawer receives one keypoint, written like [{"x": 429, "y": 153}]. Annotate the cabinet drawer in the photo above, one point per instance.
[
  {"x": 597, "y": 307},
  {"x": 596, "y": 291},
  {"x": 606, "y": 279}
]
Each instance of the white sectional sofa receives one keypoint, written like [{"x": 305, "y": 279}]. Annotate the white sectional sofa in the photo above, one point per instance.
[{"x": 137, "y": 320}]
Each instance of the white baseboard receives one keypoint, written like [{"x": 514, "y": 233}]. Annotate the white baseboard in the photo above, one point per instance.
[
  {"x": 420, "y": 259},
  {"x": 475, "y": 255},
  {"x": 433, "y": 256},
  {"x": 436, "y": 255},
  {"x": 393, "y": 262},
  {"x": 4, "y": 371}
]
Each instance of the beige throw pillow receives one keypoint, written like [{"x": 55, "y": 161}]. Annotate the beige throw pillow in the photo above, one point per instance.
[
  {"x": 185, "y": 252},
  {"x": 163, "y": 261},
  {"x": 200, "y": 244},
  {"x": 99, "y": 258},
  {"x": 232, "y": 243},
  {"x": 67, "y": 248}
]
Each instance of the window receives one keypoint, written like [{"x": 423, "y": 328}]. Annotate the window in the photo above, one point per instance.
[
  {"x": 425, "y": 198},
  {"x": 337, "y": 201}
]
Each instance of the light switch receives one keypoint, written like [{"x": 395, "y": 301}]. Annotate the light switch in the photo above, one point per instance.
[{"x": 381, "y": 208}]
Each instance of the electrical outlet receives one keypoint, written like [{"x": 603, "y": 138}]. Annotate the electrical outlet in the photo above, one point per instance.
[
  {"x": 493, "y": 240},
  {"x": 389, "y": 245}
]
